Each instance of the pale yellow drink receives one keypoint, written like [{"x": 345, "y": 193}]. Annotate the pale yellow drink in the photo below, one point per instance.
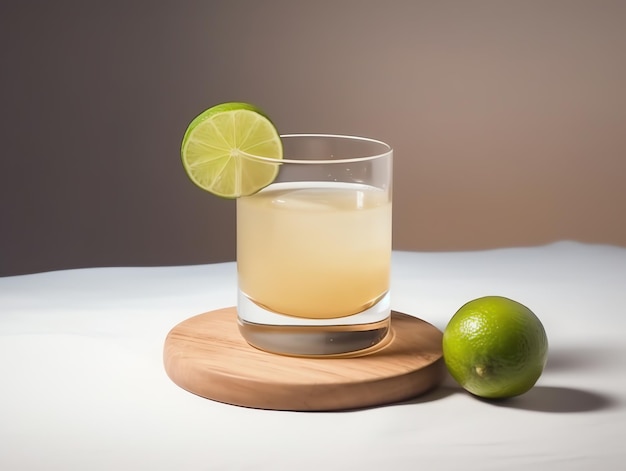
[{"x": 316, "y": 250}]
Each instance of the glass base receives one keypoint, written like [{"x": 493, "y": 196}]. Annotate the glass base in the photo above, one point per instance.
[{"x": 277, "y": 333}]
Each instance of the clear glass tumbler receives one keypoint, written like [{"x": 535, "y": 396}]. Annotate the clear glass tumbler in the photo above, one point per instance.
[{"x": 314, "y": 248}]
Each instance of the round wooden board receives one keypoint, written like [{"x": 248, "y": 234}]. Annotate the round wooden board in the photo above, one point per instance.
[{"x": 207, "y": 356}]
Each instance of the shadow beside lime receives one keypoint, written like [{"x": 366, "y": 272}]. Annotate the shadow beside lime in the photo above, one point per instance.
[{"x": 557, "y": 400}]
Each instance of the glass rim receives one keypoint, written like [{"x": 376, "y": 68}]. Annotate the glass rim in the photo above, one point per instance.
[{"x": 387, "y": 152}]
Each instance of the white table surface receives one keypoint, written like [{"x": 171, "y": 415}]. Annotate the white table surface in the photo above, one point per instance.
[{"x": 83, "y": 385}]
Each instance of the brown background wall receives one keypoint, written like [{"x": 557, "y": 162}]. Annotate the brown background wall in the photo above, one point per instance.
[{"x": 507, "y": 117}]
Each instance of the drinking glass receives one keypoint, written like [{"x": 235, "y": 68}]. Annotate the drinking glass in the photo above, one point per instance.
[{"x": 314, "y": 248}]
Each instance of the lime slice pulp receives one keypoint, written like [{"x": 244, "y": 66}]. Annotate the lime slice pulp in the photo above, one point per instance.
[{"x": 215, "y": 145}]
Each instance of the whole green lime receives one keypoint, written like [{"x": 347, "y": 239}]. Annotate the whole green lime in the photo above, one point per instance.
[{"x": 495, "y": 347}]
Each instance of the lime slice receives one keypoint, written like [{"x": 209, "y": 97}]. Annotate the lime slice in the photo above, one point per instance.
[{"x": 215, "y": 145}]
